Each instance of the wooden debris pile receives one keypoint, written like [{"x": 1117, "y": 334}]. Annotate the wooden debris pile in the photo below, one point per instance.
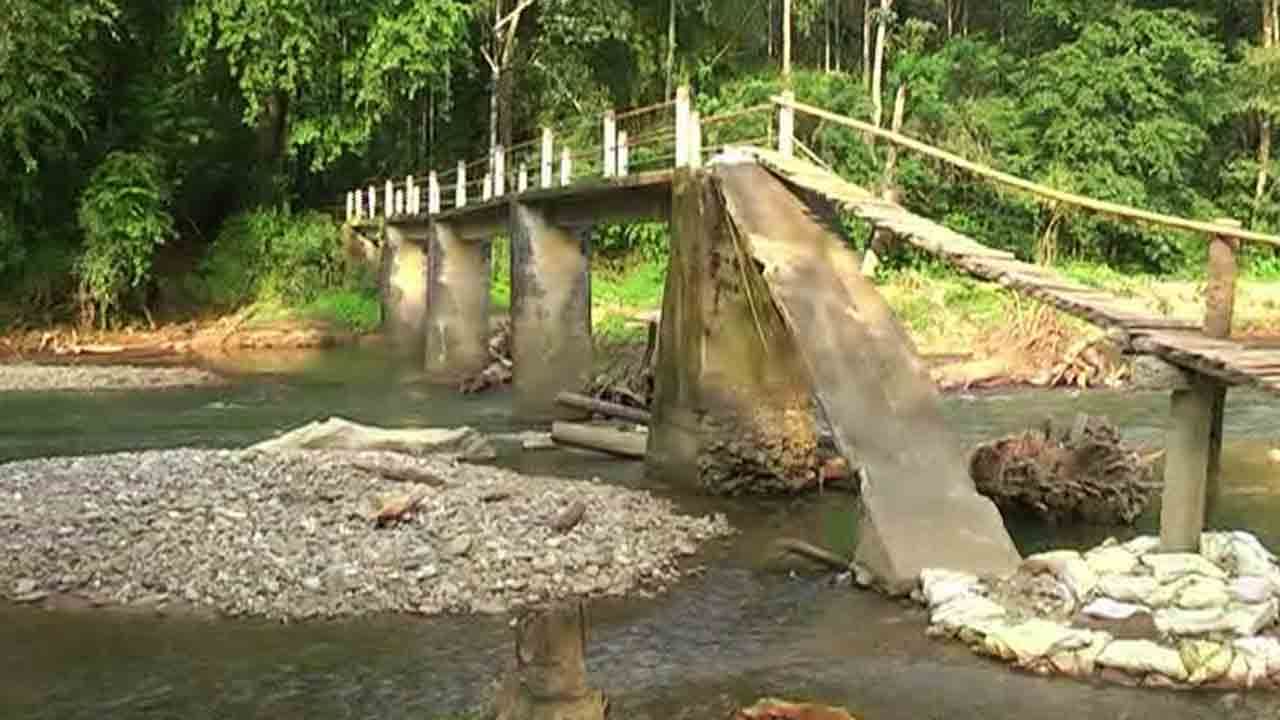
[
  {"x": 1086, "y": 474},
  {"x": 498, "y": 371}
]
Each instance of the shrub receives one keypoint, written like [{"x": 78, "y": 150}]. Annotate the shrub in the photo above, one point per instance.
[
  {"x": 124, "y": 215},
  {"x": 271, "y": 254}
]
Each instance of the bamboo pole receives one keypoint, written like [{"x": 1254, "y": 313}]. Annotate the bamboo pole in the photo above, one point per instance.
[{"x": 1121, "y": 211}]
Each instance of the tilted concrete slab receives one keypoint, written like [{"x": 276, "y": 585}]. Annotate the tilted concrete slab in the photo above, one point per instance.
[{"x": 919, "y": 505}]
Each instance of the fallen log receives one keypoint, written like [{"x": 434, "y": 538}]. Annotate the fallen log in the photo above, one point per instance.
[
  {"x": 1085, "y": 474},
  {"x": 815, "y": 553},
  {"x": 601, "y": 439},
  {"x": 601, "y": 407}
]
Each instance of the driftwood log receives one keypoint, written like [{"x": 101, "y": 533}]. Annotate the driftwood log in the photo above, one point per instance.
[
  {"x": 601, "y": 439},
  {"x": 549, "y": 679},
  {"x": 1084, "y": 474},
  {"x": 602, "y": 407},
  {"x": 400, "y": 473}
]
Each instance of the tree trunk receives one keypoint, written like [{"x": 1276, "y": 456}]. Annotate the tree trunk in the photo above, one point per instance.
[
  {"x": 1269, "y": 21},
  {"x": 272, "y": 127},
  {"x": 671, "y": 50},
  {"x": 839, "y": 20},
  {"x": 951, "y": 18},
  {"x": 889, "y": 182},
  {"x": 826, "y": 29},
  {"x": 877, "y": 76},
  {"x": 601, "y": 439},
  {"x": 866, "y": 44}
]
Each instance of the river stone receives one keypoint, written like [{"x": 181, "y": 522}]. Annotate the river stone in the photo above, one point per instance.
[
  {"x": 25, "y": 586},
  {"x": 458, "y": 546},
  {"x": 341, "y": 434},
  {"x": 942, "y": 586},
  {"x": 1205, "y": 661},
  {"x": 1107, "y": 609},
  {"x": 1112, "y": 560},
  {"x": 1172, "y": 566},
  {"x": 1069, "y": 567},
  {"x": 1139, "y": 657}
]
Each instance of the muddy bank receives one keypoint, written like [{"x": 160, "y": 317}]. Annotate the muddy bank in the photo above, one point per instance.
[
  {"x": 294, "y": 535},
  {"x": 30, "y": 377}
]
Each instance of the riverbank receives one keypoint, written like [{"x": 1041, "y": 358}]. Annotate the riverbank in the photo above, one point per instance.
[
  {"x": 292, "y": 535},
  {"x": 28, "y": 377}
]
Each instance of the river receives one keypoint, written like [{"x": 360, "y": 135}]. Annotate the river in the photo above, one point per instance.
[{"x": 745, "y": 626}]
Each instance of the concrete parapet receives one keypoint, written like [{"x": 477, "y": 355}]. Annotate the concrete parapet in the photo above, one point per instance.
[
  {"x": 550, "y": 311},
  {"x": 457, "y": 318}
]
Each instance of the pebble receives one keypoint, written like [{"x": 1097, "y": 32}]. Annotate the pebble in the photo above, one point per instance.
[
  {"x": 286, "y": 535},
  {"x": 30, "y": 377}
]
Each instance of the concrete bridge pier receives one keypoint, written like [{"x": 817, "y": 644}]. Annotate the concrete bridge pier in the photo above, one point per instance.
[
  {"x": 550, "y": 310},
  {"x": 732, "y": 398},
  {"x": 403, "y": 280},
  {"x": 457, "y": 316}
]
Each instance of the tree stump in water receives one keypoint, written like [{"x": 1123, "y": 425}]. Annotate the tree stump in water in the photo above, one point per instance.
[
  {"x": 1088, "y": 474},
  {"x": 549, "y": 680}
]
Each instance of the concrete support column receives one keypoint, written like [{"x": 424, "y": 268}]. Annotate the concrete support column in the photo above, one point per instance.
[
  {"x": 403, "y": 280},
  {"x": 457, "y": 318},
  {"x": 550, "y": 311},
  {"x": 733, "y": 398},
  {"x": 1186, "y": 467}
]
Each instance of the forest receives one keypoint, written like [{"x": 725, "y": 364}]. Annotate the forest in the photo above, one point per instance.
[{"x": 180, "y": 156}]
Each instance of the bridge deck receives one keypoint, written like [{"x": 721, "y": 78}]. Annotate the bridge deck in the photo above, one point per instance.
[{"x": 1178, "y": 341}]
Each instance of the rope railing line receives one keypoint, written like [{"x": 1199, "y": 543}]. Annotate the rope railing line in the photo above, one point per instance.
[
  {"x": 1126, "y": 212},
  {"x": 725, "y": 117},
  {"x": 642, "y": 110}
]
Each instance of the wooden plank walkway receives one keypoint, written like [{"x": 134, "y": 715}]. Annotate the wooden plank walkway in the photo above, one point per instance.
[{"x": 1178, "y": 341}]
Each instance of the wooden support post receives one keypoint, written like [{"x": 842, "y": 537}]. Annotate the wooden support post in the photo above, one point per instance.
[
  {"x": 624, "y": 158},
  {"x": 433, "y": 193},
  {"x": 373, "y": 202},
  {"x": 410, "y": 193},
  {"x": 359, "y": 202},
  {"x": 787, "y": 127},
  {"x": 566, "y": 167},
  {"x": 499, "y": 172},
  {"x": 548, "y": 158},
  {"x": 522, "y": 180},
  {"x": 351, "y": 210},
  {"x": 610, "y": 144},
  {"x": 1220, "y": 301},
  {"x": 487, "y": 192},
  {"x": 388, "y": 199},
  {"x": 460, "y": 193},
  {"x": 399, "y": 202},
  {"x": 682, "y": 126}
]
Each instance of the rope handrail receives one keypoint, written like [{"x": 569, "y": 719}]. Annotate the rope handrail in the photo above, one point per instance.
[{"x": 1108, "y": 208}]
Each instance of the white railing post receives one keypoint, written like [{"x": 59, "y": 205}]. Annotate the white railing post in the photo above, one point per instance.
[
  {"x": 373, "y": 202},
  {"x": 410, "y": 207},
  {"x": 499, "y": 186},
  {"x": 400, "y": 202},
  {"x": 522, "y": 181},
  {"x": 695, "y": 140},
  {"x": 610, "y": 144},
  {"x": 359, "y": 204},
  {"x": 433, "y": 193},
  {"x": 548, "y": 157},
  {"x": 487, "y": 193},
  {"x": 566, "y": 167},
  {"x": 682, "y": 126},
  {"x": 460, "y": 194},
  {"x": 350, "y": 206},
  {"x": 787, "y": 126},
  {"x": 388, "y": 206},
  {"x": 624, "y": 154}
]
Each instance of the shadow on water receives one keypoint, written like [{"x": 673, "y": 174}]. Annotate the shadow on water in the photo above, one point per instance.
[{"x": 744, "y": 626}]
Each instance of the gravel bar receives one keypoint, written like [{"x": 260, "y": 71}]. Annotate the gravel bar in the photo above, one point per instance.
[
  {"x": 291, "y": 535},
  {"x": 32, "y": 378}
]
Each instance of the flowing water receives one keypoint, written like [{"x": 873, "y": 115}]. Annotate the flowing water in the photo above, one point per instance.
[{"x": 745, "y": 626}]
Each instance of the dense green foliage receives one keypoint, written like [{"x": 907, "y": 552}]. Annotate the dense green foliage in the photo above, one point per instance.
[{"x": 142, "y": 138}]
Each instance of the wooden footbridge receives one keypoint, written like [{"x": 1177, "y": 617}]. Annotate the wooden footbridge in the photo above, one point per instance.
[{"x": 436, "y": 259}]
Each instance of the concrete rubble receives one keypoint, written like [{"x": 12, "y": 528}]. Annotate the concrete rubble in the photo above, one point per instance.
[{"x": 1132, "y": 615}]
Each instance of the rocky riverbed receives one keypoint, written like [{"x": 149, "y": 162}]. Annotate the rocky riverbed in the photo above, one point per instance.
[
  {"x": 31, "y": 377},
  {"x": 293, "y": 534}
]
